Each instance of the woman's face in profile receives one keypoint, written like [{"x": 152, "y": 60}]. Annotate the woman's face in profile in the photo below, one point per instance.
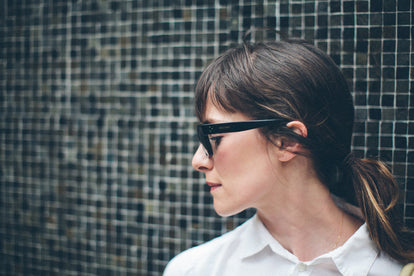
[{"x": 242, "y": 171}]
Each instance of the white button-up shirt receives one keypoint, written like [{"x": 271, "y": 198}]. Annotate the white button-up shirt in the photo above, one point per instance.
[{"x": 251, "y": 250}]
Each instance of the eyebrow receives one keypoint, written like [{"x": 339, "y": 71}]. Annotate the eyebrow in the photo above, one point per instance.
[{"x": 213, "y": 122}]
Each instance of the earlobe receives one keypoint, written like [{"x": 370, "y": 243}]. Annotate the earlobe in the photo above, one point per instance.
[{"x": 289, "y": 151}]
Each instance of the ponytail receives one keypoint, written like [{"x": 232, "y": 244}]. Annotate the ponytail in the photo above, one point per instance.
[{"x": 376, "y": 193}]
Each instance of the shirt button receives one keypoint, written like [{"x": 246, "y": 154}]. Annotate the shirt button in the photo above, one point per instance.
[{"x": 302, "y": 267}]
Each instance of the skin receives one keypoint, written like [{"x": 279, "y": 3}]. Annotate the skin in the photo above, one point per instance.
[{"x": 246, "y": 171}]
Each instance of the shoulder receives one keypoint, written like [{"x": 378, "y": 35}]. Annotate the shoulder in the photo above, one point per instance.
[
  {"x": 188, "y": 259},
  {"x": 200, "y": 258}
]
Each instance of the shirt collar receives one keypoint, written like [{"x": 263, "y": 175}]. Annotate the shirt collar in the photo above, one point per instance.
[
  {"x": 257, "y": 238},
  {"x": 358, "y": 247},
  {"x": 347, "y": 257},
  {"x": 254, "y": 238}
]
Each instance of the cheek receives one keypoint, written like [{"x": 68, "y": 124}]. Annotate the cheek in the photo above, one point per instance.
[
  {"x": 248, "y": 178},
  {"x": 233, "y": 153},
  {"x": 243, "y": 156}
]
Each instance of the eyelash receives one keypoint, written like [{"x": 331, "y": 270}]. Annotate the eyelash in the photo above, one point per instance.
[{"x": 216, "y": 140}]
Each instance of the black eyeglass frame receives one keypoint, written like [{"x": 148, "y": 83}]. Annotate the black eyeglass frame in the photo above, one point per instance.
[{"x": 204, "y": 130}]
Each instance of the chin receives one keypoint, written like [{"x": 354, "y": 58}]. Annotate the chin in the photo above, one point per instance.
[{"x": 226, "y": 212}]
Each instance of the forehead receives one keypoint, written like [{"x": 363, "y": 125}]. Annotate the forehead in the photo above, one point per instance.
[{"x": 214, "y": 114}]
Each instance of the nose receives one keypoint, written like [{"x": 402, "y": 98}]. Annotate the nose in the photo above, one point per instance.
[{"x": 201, "y": 162}]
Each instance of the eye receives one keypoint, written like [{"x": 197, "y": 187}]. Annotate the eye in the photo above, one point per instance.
[{"x": 216, "y": 140}]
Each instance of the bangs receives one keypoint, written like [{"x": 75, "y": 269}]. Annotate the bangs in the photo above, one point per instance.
[
  {"x": 211, "y": 89},
  {"x": 223, "y": 83}
]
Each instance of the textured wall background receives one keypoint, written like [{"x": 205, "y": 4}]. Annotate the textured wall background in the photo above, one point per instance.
[{"x": 97, "y": 125}]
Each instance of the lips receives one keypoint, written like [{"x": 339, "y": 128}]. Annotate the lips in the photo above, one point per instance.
[{"x": 213, "y": 186}]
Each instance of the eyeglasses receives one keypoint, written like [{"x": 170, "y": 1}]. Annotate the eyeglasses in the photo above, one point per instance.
[{"x": 204, "y": 130}]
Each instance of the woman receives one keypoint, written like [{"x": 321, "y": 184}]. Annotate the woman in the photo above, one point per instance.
[{"x": 276, "y": 134}]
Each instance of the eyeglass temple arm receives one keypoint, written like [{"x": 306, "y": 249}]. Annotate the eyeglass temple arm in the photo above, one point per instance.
[{"x": 237, "y": 126}]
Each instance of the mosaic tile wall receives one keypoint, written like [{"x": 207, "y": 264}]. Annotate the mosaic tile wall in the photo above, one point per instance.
[{"x": 97, "y": 125}]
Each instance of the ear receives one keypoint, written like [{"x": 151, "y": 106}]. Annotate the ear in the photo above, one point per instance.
[
  {"x": 289, "y": 148},
  {"x": 298, "y": 127}
]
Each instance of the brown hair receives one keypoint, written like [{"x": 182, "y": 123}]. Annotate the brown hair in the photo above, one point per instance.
[{"x": 294, "y": 80}]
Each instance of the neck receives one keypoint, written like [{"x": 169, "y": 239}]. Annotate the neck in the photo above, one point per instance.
[{"x": 307, "y": 222}]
